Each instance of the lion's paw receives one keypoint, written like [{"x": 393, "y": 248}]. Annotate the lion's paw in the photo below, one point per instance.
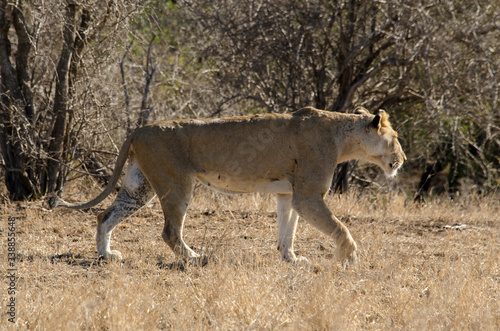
[
  {"x": 112, "y": 256},
  {"x": 347, "y": 252},
  {"x": 302, "y": 261}
]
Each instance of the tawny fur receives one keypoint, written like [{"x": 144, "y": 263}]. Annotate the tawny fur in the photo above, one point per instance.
[{"x": 290, "y": 155}]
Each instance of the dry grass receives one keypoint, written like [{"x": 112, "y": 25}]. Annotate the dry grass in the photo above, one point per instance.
[{"x": 413, "y": 273}]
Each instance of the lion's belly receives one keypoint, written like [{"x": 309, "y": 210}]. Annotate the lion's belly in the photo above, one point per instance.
[{"x": 239, "y": 185}]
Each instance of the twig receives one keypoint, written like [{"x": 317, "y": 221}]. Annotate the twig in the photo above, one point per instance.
[{"x": 125, "y": 88}]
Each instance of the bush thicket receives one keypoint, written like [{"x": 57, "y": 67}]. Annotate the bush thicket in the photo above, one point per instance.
[{"x": 76, "y": 77}]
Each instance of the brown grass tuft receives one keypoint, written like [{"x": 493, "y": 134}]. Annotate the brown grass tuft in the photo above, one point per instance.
[{"x": 417, "y": 269}]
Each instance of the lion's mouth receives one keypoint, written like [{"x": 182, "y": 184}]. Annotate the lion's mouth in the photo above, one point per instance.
[
  {"x": 391, "y": 172},
  {"x": 394, "y": 166}
]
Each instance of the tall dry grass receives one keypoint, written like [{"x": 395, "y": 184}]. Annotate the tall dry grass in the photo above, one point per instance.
[{"x": 416, "y": 269}]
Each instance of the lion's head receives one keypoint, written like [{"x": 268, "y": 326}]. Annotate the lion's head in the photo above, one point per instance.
[{"x": 381, "y": 143}]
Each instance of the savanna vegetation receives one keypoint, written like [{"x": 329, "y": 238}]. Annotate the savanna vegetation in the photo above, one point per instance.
[
  {"x": 419, "y": 267},
  {"x": 77, "y": 76}
]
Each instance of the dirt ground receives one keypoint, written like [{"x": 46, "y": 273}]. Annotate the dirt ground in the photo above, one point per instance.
[{"x": 433, "y": 266}]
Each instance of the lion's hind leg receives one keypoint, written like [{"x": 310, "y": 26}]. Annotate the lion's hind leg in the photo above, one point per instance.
[
  {"x": 175, "y": 196},
  {"x": 134, "y": 193}
]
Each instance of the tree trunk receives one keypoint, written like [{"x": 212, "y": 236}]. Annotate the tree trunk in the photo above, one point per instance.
[
  {"x": 55, "y": 180},
  {"x": 340, "y": 182},
  {"x": 29, "y": 173},
  {"x": 16, "y": 100}
]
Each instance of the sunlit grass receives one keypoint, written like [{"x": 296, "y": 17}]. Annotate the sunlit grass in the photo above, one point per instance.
[{"x": 415, "y": 271}]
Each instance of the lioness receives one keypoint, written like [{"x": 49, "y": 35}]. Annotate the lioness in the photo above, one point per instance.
[{"x": 290, "y": 155}]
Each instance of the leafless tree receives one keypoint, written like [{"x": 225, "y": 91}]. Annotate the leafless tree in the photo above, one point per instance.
[
  {"x": 41, "y": 46},
  {"x": 433, "y": 64},
  {"x": 458, "y": 125},
  {"x": 284, "y": 55},
  {"x": 78, "y": 76}
]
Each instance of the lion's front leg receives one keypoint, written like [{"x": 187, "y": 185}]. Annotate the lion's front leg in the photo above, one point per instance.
[{"x": 316, "y": 212}]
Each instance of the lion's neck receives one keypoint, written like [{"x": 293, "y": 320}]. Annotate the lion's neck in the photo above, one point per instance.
[{"x": 350, "y": 148}]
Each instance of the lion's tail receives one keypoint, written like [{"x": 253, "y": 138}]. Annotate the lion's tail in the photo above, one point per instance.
[{"x": 55, "y": 201}]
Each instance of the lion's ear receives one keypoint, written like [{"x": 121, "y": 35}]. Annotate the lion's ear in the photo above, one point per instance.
[
  {"x": 379, "y": 117},
  {"x": 376, "y": 123},
  {"x": 361, "y": 111}
]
